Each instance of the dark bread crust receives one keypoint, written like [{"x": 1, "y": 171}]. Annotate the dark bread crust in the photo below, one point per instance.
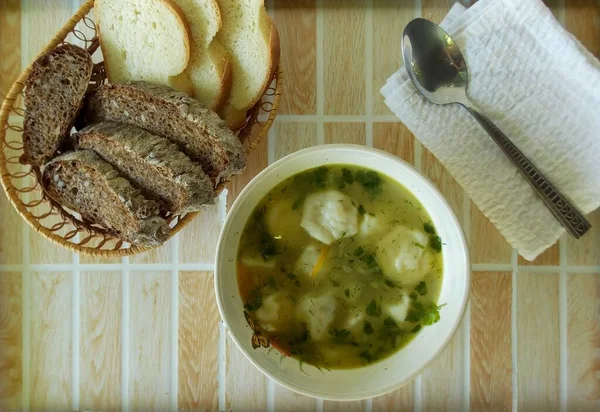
[
  {"x": 153, "y": 163},
  {"x": 91, "y": 187},
  {"x": 54, "y": 93},
  {"x": 198, "y": 131}
]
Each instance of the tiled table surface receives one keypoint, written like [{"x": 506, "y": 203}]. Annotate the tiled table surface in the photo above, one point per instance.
[{"x": 144, "y": 332}]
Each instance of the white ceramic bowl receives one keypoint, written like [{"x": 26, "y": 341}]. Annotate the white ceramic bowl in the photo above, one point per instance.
[{"x": 380, "y": 377}]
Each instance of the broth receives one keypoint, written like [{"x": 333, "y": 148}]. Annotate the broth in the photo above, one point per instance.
[{"x": 339, "y": 267}]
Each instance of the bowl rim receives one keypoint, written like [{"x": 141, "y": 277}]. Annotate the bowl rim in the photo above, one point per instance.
[{"x": 423, "y": 180}]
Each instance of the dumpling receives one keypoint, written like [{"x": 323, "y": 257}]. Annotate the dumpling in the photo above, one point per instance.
[
  {"x": 355, "y": 320},
  {"x": 318, "y": 312},
  {"x": 397, "y": 310},
  {"x": 255, "y": 261},
  {"x": 275, "y": 313},
  {"x": 329, "y": 215},
  {"x": 403, "y": 255},
  {"x": 370, "y": 226},
  {"x": 311, "y": 260}
]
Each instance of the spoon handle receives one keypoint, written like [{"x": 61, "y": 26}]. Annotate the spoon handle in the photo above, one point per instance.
[{"x": 564, "y": 211}]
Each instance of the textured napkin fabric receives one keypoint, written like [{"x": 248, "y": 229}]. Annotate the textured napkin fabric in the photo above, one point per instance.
[{"x": 542, "y": 89}]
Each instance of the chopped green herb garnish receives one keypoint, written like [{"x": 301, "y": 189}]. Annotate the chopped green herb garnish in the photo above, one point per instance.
[
  {"x": 435, "y": 242},
  {"x": 335, "y": 283},
  {"x": 367, "y": 327},
  {"x": 420, "y": 246},
  {"x": 428, "y": 227},
  {"x": 359, "y": 251},
  {"x": 366, "y": 356},
  {"x": 424, "y": 312},
  {"x": 421, "y": 288},
  {"x": 339, "y": 334},
  {"x": 389, "y": 321},
  {"x": 347, "y": 293},
  {"x": 267, "y": 247},
  {"x": 373, "y": 309},
  {"x": 413, "y": 295},
  {"x": 368, "y": 259},
  {"x": 347, "y": 176},
  {"x": 369, "y": 179},
  {"x": 254, "y": 304},
  {"x": 291, "y": 276},
  {"x": 320, "y": 177},
  {"x": 361, "y": 210}
]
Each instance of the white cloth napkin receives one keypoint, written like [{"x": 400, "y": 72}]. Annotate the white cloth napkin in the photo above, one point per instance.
[{"x": 542, "y": 89}]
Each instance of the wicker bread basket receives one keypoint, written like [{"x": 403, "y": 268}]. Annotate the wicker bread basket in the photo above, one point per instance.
[{"x": 22, "y": 182}]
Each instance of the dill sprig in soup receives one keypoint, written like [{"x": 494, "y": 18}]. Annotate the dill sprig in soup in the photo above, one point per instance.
[{"x": 339, "y": 267}]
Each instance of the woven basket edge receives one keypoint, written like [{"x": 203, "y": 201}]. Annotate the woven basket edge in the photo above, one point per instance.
[{"x": 9, "y": 189}]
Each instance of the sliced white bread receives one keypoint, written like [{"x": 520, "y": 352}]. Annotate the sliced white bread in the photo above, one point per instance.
[
  {"x": 251, "y": 39},
  {"x": 145, "y": 40},
  {"x": 208, "y": 73}
]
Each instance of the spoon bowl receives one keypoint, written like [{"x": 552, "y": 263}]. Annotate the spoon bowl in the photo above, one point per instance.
[
  {"x": 439, "y": 72},
  {"x": 437, "y": 67}
]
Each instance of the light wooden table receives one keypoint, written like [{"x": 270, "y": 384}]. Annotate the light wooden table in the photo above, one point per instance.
[{"x": 144, "y": 333}]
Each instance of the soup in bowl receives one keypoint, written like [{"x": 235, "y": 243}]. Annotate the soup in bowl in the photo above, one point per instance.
[{"x": 341, "y": 272}]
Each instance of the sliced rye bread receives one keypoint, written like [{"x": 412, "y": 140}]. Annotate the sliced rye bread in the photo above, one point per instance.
[
  {"x": 54, "y": 93},
  {"x": 198, "y": 131},
  {"x": 209, "y": 70},
  {"x": 252, "y": 42},
  {"x": 142, "y": 39},
  {"x": 153, "y": 163},
  {"x": 91, "y": 187}
]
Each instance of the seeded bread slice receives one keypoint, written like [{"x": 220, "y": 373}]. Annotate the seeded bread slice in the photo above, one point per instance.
[
  {"x": 53, "y": 95},
  {"x": 152, "y": 163},
  {"x": 198, "y": 131},
  {"x": 91, "y": 187}
]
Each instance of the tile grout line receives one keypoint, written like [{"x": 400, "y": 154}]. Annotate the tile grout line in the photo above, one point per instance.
[
  {"x": 222, "y": 368},
  {"x": 562, "y": 324},
  {"x": 25, "y": 336},
  {"x": 76, "y": 330},
  {"x": 368, "y": 72},
  {"x": 222, "y": 348},
  {"x": 513, "y": 329},
  {"x": 368, "y": 68},
  {"x": 107, "y": 267},
  {"x": 318, "y": 405},
  {"x": 320, "y": 78},
  {"x": 320, "y": 69},
  {"x": 125, "y": 315},
  {"x": 26, "y": 272},
  {"x": 271, "y": 141},
  {"x": 174, "y": 378},
  {"x": 336, "y": 118},
  {"x": 209, "y": 267}
]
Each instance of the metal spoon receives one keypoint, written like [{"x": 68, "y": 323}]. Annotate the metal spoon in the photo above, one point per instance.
[{"x": 439, "y": 72}]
